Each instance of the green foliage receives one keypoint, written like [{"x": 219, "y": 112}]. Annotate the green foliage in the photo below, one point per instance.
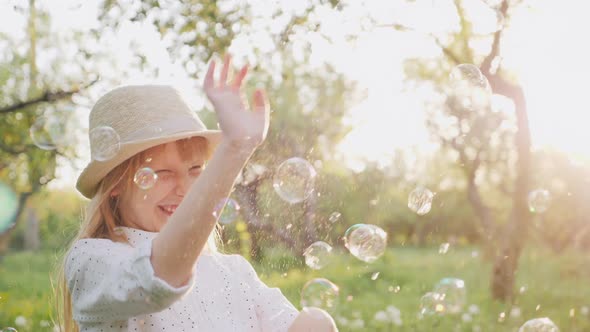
[
  {"x": 59, "y": 214},
  {"x": 25, "y": 289},
  {"x": 546, "y": 283},
  {"x": 415, "y": 271}
]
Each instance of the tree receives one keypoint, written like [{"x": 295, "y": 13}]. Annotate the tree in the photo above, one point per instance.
[
  {"x": 27, "y": 95},
  {"x": 486, "y": 144}
]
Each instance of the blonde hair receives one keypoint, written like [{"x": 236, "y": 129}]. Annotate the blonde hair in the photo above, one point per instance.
[{"x": 103, "y": 216}]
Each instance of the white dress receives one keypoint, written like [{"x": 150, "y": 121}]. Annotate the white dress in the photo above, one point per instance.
[{"x": 113, "y": 288}]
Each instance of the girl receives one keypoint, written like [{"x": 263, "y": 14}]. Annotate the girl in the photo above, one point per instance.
[{"x": 145, "y": 259}]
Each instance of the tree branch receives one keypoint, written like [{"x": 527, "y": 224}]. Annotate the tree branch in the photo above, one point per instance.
[
  {"x": 246, "y": 196},
  {"x": 45, "y": 97},
  {"x": 446, "y": 51},
  {"x": 486, "y": 65},
  {"x": 12, "y": 150},
  {"x": 482, "y": 211}
]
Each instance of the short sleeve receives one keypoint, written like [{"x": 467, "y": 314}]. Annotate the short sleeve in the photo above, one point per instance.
[
  {"x": 114, "y": 281},
  {"x": 275, "y": 312}
]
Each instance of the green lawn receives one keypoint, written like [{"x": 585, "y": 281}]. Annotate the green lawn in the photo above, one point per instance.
[{"x": 554, "y": 286}]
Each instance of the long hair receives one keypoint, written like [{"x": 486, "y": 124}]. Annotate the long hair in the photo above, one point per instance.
[{"x": 103, "y": 216}]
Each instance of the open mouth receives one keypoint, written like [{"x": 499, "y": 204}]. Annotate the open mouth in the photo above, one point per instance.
[{"x": 168, "y": 209}]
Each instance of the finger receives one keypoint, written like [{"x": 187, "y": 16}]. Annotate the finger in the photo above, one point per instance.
[
  {"x": 262, "y": 106},
  {"x": 225, "y": 71},
  {"x": 260, "y": 102},
  {"x": 208, "y": 84},
  {"x": 240, "y": 77}
]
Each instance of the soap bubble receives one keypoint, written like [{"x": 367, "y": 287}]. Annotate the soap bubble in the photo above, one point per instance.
[
  {"x": 294, "y": 180},
  {"x": 8, "y": 207},
  {"x": 48, "y": 132},
  {"x": 420, "y": 200},
  {"x": 539, "y": 325},
  {"x": 431, "y": 303},
  {"x": 228, "y": 210},
  {"x": 320, "y": 293},
  {"x": 470, "y": 87},
  {"x": 453, "y": 294},
  {"x": 366, "y": 242},
  {"x": 444, "y": 248},
  {"x": 317, "y": 255},
  {"x": 468, "y": 75},
  {"x": 145, "y": 178},
  {"x": 539, "y": 200},
  {"x": 105, "y": 143}
]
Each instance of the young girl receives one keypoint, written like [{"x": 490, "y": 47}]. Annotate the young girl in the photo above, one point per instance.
[{"x": 145, "y": 257}]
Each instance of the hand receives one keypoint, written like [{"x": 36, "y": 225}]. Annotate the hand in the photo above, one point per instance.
[
  {"x": 313, "y": 319},
  {"x": 239, "y": 125}
]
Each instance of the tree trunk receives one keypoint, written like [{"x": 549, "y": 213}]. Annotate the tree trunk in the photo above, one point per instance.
[
  {"x": 32, "y": 241},
  {"x": 515, "y": 232},
  {"x": 5, "y": 236},
  {"x": 247, "y": 196}
]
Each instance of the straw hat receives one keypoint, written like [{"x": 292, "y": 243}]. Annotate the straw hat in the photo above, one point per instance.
[{"x": 143, "y": 116}]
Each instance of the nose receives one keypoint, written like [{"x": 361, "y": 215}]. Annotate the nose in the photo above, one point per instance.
[{"x": 183, "y": 184}]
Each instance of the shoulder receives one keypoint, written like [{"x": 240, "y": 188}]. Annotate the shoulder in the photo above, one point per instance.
[
  {"x": 236, "y": 258},
  {"x": 96, "y": 246},
  {"x": 236, "y": 261},
  {"x": 97, "y": 249}
]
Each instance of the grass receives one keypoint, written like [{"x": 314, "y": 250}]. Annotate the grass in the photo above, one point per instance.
[{"x": 548, "y": 286}]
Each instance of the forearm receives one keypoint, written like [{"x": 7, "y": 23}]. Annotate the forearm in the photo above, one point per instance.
[{"x": 180, "y": 242}]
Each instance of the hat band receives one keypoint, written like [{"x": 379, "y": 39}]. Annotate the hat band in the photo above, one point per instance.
[{"x": 166, "y": 127}]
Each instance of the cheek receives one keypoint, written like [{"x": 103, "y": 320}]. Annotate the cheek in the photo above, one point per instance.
[{"x": 155, "y": 195}]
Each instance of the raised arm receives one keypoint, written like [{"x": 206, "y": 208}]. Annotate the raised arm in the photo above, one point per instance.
[{"x": 180, "y": 242}]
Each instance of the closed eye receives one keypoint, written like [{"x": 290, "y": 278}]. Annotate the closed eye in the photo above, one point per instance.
[
  {"x": 195, "y": 170},
  {"x": 164, "y": 174}
]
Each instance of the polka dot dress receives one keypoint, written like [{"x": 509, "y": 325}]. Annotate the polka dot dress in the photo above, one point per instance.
[{"x": 113, "y": 288}]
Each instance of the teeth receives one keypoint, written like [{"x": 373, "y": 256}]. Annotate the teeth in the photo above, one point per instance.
[{"x": 169, "y": 209}]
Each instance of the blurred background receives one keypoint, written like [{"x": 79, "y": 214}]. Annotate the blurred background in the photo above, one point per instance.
[{"x": 455, "y": 129}]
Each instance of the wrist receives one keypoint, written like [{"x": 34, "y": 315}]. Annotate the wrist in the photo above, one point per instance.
[
  {"x": 240, "y": 145},
  {"x": 237, "y": 147}
]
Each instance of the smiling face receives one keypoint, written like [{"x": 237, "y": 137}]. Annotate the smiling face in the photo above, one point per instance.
[{"x": 177, "y": 165}]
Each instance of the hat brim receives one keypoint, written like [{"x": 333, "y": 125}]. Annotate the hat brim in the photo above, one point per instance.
[{"x": 95, "y": 171}]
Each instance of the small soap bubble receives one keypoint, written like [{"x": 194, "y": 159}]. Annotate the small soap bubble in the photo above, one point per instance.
[
  {"x": 539, "y": 200},
  {"x": 48, "y": 132},
  {"x": 365, "y": 242},
  {"x": 105, "y": 143},
  {"x": 294, "y": 180},
  {"x": 145, "y": 178},
  {"x": 318, "y": 255},
  {"x": 320, "y": 293},
  {"x": 432, "y": 303},
  {"x": 539, "y": 325},
  {"x": 453, "y": 294},
  {"x": 443, "y": 248},
  {"x": 420, "y": 200},
  {"x": 227, "y": 210},
  {"x": 8, "y": 207}
]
